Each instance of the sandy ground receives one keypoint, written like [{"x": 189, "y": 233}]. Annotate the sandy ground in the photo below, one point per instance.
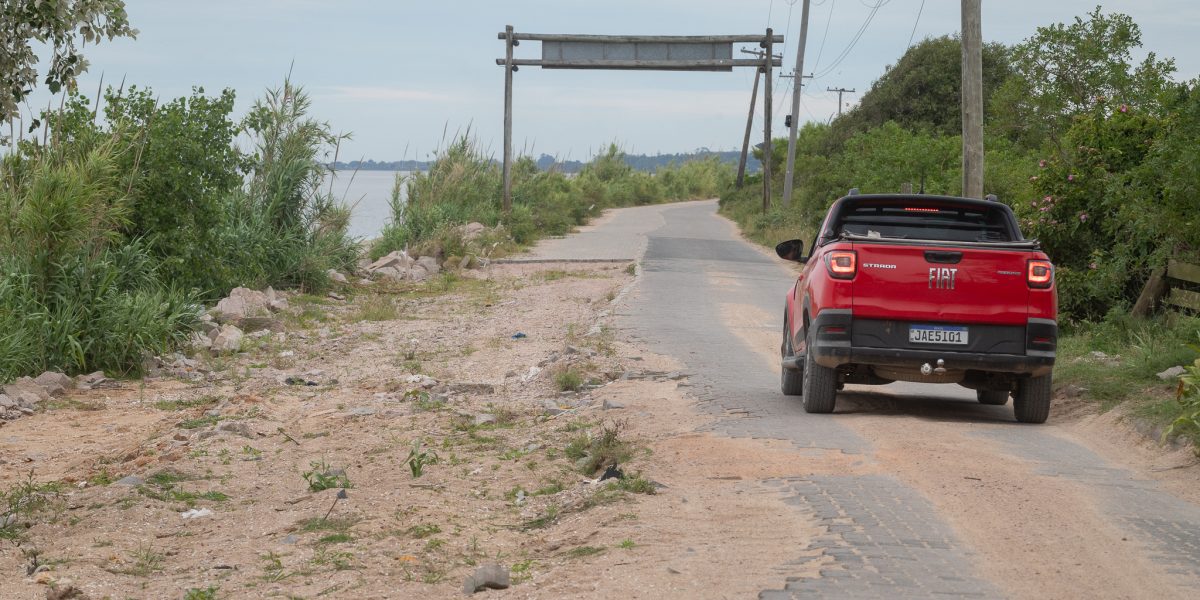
[{"x": 239, "y": 444}]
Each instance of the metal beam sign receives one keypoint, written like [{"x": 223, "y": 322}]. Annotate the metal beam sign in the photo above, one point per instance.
[
  {"x": 638, "y": 52},
  {"x": 637, "y": 55}
]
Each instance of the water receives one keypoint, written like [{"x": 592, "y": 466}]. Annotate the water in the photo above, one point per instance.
[{"x": 369, "y": 193}]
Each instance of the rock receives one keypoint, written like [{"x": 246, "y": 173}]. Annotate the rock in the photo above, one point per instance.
[
  {"x": 336, "y": 277},
  {"x": 398, "y": 260},
  {"x": 418, "y": 273},
  {"x": 291, "y": 539},
  {"x": 1073, "y": 391},
  {"x": 335, "y": 296},
  {"x": 484, "y": 419},
  {"x": 228, "y": 340},
  {"x": 1172, "y": 373},
  {"x": 63, "y": 590},
  {"x": 275, "y": 302},
  {"x": 465, "y": 263},
  {"x": 236, "y": 428},
  {"x": 365, "y": 281},
  {"x": 6, "y": 402},
  {"x": 55, "y": 383},
  {"x": 200, "y": 341},
  {"x": 361, "y": 411},
  {"x": 430, "y": 264},
  {"x": 472, "y": 231},
  {"x": 26, "y": 391},
  {"x": 552, "y": 408},
  {"x": 253, "y": 324},
  {"x": 530, "y": 374},
  {"x": 489, "y": 576},
  {"x": 393, "y": 273},
  {"x": 130, "y": 480},
  {"x": 610, "y": 405},
  {"x": 196, "y": 513},
  {"x": 91, "y": 379}
]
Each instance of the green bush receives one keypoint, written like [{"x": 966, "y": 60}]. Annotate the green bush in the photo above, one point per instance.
[{"x": 74, "y": 296}]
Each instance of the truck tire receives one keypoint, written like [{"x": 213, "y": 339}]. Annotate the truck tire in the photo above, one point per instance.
[
  {"x": 992, "y": 397},
  {"x": 820, "y": 384},
  {"x": 791, "y": 381},
  {"x": 1031, "y": 402}
]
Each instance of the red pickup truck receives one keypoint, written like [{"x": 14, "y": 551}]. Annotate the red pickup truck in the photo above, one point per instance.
[{"x": 933, "y": 289}]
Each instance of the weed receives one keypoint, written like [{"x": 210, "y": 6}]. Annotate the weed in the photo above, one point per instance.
[
  {"x": 323, "y": 477},
  {"x": 423, "y": 530},
  {"x": 339, "y": 524},
  {"x": 637, "y": 485},
  {"x": 590, "y": 453},
  {"x": 627, "y": 544},
  {"x": 251, "y": 453},
  {"x": 522, "y": 571},
  {"x": 417, "y": 459},
  {"x": 631, "y": 269},
  {"x": 568, "y": 380},
  {"x": 549, "y": 489},
  {"x": 183, "y": 404},
  {"x": 197, "y": 423},
  {"x": 340, "y": 561},
  {"x": 336, "y": 538},
  {"x": 24, "y": 500},
  {"x": 377, "y": 308},
  {"x": 434, "y": 544},
  {"x": 208, "y": 593},
  {"x": 273, "y": 571},
  {"x": 547, "y": 518},
  {"x": 144, "y": 562},
  {"x": 584, "y": 551}
]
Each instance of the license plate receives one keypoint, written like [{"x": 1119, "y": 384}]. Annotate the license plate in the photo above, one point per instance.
[{"x": 937, "y": 334}]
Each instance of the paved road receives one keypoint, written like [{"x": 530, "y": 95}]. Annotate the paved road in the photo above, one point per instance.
[{"x": 907, "y": 523}]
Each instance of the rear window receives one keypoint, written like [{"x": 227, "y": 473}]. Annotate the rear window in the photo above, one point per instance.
[{"x": 920, "y": 221}]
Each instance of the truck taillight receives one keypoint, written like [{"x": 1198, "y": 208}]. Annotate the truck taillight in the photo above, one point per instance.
[
  {"x": 1040, "y": 274},
  {"x": 842, "y": 264}
]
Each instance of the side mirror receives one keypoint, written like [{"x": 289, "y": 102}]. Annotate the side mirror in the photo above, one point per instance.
[{"x": 791, "y": 250}]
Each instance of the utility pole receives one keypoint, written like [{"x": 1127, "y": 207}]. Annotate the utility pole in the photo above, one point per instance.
[
  {"x": 797, "y": 86},
  {"x": 972, "y": 99},
  {"x": 509, "y": 42},
  {"x": 769, "y": 45},
  {"x": 839, "y": 91},
  {"x": 741, "y": 176}
]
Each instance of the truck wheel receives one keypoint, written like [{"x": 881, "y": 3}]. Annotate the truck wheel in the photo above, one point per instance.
[
  {"x": 820, "y": 384},
  {"x": 791, "y": 381},
  {"x": 1031, "y": 402},
  {"x": 992, "y": 397}
]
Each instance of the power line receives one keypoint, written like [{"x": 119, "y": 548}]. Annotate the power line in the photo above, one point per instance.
[
  {"x": 854, "y": 41},
  {"x": 820, "y": 51},
  {"x": 914, "y": 31}
]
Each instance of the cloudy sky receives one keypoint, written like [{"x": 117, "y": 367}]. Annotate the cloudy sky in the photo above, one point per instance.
[{"x": 401, "y": 75}]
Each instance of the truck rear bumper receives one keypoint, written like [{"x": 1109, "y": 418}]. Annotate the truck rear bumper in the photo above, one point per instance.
[{"x": 836, "y": 344}]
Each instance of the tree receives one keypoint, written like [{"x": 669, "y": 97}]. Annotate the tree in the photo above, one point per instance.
[
  {"x": 59, "y": 24},
  {"x": 923, "y": 89},
  {"x": 1063, "y": 70}
]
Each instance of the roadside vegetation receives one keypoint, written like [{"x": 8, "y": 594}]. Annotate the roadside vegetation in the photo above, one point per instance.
[
  {"x": 1093, "y": 150},
  {"x": 464, "y": 185},
  {"x": 121, "y": 215}
]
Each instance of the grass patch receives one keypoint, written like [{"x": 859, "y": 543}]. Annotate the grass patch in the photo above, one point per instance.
[
  {"x": 316, "y": 524},
  {"x": 199, "y": 422},
  {"x": 423, "y": 530},
  {"x": 591, "y": 452},
  {"x": 323, "y": 477},
  {"x": 336, "y": 538},
  {"x": 376, "y": 308},
  {"x": 568, "y": 380},
  {"x": 584, "y": 551},
  {"x": 184, "y": 404}
]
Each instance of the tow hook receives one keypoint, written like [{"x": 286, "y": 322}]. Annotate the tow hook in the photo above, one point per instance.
[{"x": 926, "y": 369}]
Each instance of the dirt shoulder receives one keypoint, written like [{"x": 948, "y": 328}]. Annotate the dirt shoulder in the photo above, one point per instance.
[{"x": 360, "y": 397}]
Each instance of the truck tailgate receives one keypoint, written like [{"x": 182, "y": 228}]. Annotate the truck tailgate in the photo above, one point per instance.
[{"x": 941, "y": 284}]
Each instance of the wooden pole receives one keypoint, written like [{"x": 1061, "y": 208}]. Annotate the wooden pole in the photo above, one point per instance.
[
  {"x": 508, "y": 84},
  {"x": 749, "y": 126},
  {"x": 972, "y": 99},
  {"x": 768, "y": 44},
  {"x": 793, "y": 131}
]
